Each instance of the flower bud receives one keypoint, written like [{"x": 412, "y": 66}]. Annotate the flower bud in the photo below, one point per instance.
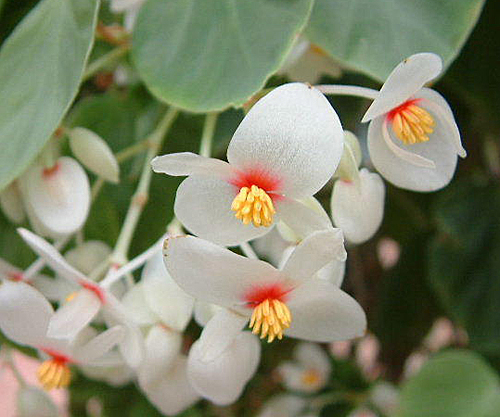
[
  {"x": 93, "y": 152},
  {"x": 351, "y": 157},
  {"x": 12, "y": 204},
  {"x": 33, "y": 402}
]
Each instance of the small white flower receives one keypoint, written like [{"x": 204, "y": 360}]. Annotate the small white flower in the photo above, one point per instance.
[
  {"x": 94, "y": 153},
  {"x": 413, "y": 138},
  {"x": 309, "y": 371},
  {"x": 24, "y": 318},
  {"x": 283, "y": 405},
  {"x": 285, "y": 149},
  {"x": 274, "y": 301}
]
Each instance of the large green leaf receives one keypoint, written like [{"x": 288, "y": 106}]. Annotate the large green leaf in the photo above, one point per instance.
[
  {"x": 204, "y": 55},
  {"x": 372, "y": 36},
  {"x": 464, "y": 260},
  {"x": 452, "y": 384},
  {"x": 41, "y": 65}
]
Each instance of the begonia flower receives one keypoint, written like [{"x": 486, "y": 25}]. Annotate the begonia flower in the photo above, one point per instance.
[
  {"x": 413, "y": 138},
  {"x": 273, "y": 300},
  {"x": 24, "y": 318},
  {"x": 308, "y": 372},
  {"x": 286, "y": 148}
]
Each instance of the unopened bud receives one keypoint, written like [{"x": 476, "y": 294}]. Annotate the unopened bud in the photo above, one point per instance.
[
  {"x": 351, "y": 157},
  {"x": 12, "y": 204}
]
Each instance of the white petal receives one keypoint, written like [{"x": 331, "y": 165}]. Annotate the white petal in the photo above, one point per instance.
[
  {"x": 315, "y": 252},
  {"x": 188, "y": 163},
  {"x": 223, "y": 379},
  {"x": 214, "y": 274},
  {"x": 219, "y": 333},
  {"x": 203, "y": 312},
  {"x": 299, "y": 47},
  {"x": 294, "y": 136},
  {"x": 311, "y": 356},
  {"x": 53, "y": 258},
  {"x": 203, "y": 205},
  {"x": 24, "y": 313},
  {"x": 8, "y": 271},
  {"x": 74, "y": 315},
  {"x": 165, "y": 298},
  {"x": 404, "y": 81},
  {"x": 359, "y": 210},
  {"x": 333, "y": 272},
  {"x": 322, "y": 312},
  {"x": 88, "y": 255},
  {"x": 302, "y": 219},
  {"x": 99, "y": 345},
  {"x": 54, "y": 289},
  {"x": 173, "y": 393},
  {"x": 162, "y": 348},
  {"x": 115, "y": 374},
  {"x": 291, "y": 375},
  {"x": 12, "y": 203},
  {"x": 118, "y": 6},
  {"x": 60, "y": 198},
  {"x": 401, "y": 173},
  {"x": 283, "y": 405},
  {"x": 34, "y": 402},
  {"x": 94, "y": 153},
  {"x": 134, "y": 302}
]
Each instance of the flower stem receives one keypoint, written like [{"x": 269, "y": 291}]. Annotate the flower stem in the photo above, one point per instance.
[
  {"x": 347, "y": 90},
  {"x": 39, "y": 264},
  {"x": 132, "y": 150},
  {"x": 208, "y": 134},
  {"x": 104, "y": 61},
  {"x": 140, "y": 196}
]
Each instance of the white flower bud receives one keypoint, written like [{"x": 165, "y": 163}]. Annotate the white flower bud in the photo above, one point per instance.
[
  {"x": 33, "y": 402},
  {"x": 93, "y": 152},
  {"x": 12, "y": 203},
  {"x": 351, "y": 157}
]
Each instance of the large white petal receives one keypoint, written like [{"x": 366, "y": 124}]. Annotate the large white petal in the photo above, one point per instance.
[
  {"x": 222, "y": 380},
  {"x": 359, "y": 209},
  {"x": 214, "y": 274},
  {"x": 203, "y": 205},
  {"x": 136, "y": 306},
  {"x": 74, "y": 315},
  {"x": 404, "y": 81},
  {"x": 162, "y": 348},
  {"x": 219, "y": 333},
  {"x": 60, "y": 198},
  {"x": 271, "y": 246},
  {"x": 12, "y": 204},
  {"x": 315, "y": 252},
  {"x": 168, "y": 301},
  {"x": 321, "y": 312},
  {"x": 439, "y": 149},
  {"x": 173, "y": 393},
  {"x": 99, "y": 345},
  {"x": 188, "y": 163},
  {"x": 292, "y": 135},
  {"x": 24, "y": 313},
  {"x": 333, "y": 272}
]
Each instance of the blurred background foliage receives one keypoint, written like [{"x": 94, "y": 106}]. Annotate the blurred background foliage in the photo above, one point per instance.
[{"x": 450, "y": 240}]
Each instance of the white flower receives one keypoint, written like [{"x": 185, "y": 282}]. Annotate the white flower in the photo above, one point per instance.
[
  {"x": 309, "y": 371},
  {"x": 94, "y": 153},
  {"x": 283, "y": 405},
  {"x": 57, "y": 200},
  {"x": 85, "y": 304},
  {"x": 33, "y": 402},
  {"x": 413, "y": 138},
  {"x": 11, "y": 203},
  {"x": 286, "y": 148},
  {"x": 385, "y": 396},
  {"x": 130, "y": 8},
  {"x": 24, "y": 318},
  {"x": 274, "y": 301}
]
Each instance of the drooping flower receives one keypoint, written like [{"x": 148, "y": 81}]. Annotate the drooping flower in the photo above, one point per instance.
[
  {"x": 308, "y": 372},
  {"x": 275, "y": 301},
  {"x": 413, "y": 138},
  {"x": 24, "y": 318},
  {"x": 357, "y": 201},
  {"x": 285, "y": 149}
]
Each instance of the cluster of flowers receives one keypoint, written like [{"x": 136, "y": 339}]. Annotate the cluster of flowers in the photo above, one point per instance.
[{"x": 288, "y": 146}]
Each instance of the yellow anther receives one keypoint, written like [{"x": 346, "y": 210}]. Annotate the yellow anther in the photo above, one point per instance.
[
  {"x": 311, "y": 377},
  {"x": 270, "y": 318},
  {"x": 254, "y": 205},
  {"x": 71, "y": 296},
  {"x": 412, "y": 124},
  {"x": 54, "y": 373}
]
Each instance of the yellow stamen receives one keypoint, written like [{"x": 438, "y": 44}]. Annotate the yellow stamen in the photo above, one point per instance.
[
  {"x": 412, "y": 124},
  {"x": 54, "y": 374},
  {"x": 71, "y": 296},
  {"x": 318, "y": 50},
  {"x": 270, "y": 318},
  {"x": 253, "y": 205},
  {"x": 311, "y": 377}
]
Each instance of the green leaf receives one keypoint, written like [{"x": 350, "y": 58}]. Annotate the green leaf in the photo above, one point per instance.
[
  {"x": 41, "y": 65},
  {"x": 210, "y": 54},
  {"x": 373, "y": 36},
  {"x": 464, "y": 261},
  {"x": 452, "y": 384}
]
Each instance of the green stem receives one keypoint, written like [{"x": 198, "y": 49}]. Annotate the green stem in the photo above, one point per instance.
[
  {"x": 208, "y": 134},
  {"x": 104, "y": 61},
  {"x": 132, "y": 150}
]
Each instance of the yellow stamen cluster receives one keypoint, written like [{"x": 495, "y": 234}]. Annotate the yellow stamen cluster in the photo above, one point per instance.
[
  {"x": 413, "y": 124},
  {"x": 54, "y": 374},
  {"x": 311, "y": 377},
  {"x": 270, "y": 318},
  {"x": 253, "y": 205}
]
